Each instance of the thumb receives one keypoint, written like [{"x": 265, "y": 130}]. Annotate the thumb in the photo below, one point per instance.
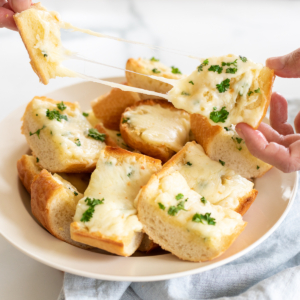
[
  {"x": 19, "y": 5},
  {"x": 286, "y": 66}
]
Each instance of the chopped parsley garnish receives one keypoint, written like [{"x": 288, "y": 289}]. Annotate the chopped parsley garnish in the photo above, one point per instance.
[
  {"x": 85, "y": 114},
  {"x": 175, "y": 70},
  {"x": 219, "y": 116},
  {"x": 227, "y": 129},
  {"x": 61, "y": 106},
  {"x": 199, "y": 218},
  {"x": 130, "y": 173},
  {"x": 203, "y": 200},
  {"x": 257, "y": 91},
  {"x": 257, "y": 167},
  {"x": 188, "y": 163},
  {"x": 234, "y": 63},
  {"x": 77, "y": 142},
  {"x": 243, "y": 58},
  {"x": 222, "y": 162},
  {"x": 249, "y": 93},
  {"x": 125, "y": 120},
  {"x": 204, "y": 63},
  {"x": 185, "y": 94},
  {"x": 161, "y": 206},
  {"x": 95, "y": 134},
  {"x": 173, "y": 210},
  {"x": 37, "y": 160},
  {"x": 75, "y": 193},
  {"x": 55, "y": 114},
  {"x": 239, "y": 140},
  {"x": 223, "y": 86},
  {"x": 231, "y": 70},
  {"x": 37, "y": 132},
  {"x": 44, "y": 53},
  {"x": 88, "y": 214},
  {"x": 215, "y": 68},
  {"x": 37, "y": 115},
  {"x": 214, "y": 108},
  {"x": 191, "y": 82},
  {"x": 156, "y": 71},
  {"x": 118, "y": 134},
  {"x": 153, "y": 59},
  {"x": 179, "y": 196}
]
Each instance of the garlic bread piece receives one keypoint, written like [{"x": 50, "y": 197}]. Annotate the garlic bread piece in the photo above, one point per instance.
[
  {"x": 61, "y": 137},
  {"x": 174, "y": 217},
  {"x": 109, "y": 107},
  {"x": 156, "y": 128},
  {"x": 226, "y": 90},
  {"x": 150, "y": 67},
  {"x": 106, "y": 217},
  {"x": 53, "y": 203},
  {"x": 217, "y": 183},
  {"x": 225, "y": 144}
]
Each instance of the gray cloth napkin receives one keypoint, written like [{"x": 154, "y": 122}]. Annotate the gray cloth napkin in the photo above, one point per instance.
[{"x": 270, "y": 271}]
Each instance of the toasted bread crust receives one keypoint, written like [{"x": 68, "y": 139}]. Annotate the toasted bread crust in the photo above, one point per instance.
[
  {"x": 161, "y": 152},
  {"x": 109, "y": 107},
  {"x": 27, "y": 170}
]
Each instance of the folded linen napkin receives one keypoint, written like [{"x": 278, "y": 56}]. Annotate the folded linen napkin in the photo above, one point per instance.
[{"x": 270, "y": 271}]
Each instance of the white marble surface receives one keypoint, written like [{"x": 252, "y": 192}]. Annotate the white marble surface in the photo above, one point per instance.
[{"x": 256, "y": 29}]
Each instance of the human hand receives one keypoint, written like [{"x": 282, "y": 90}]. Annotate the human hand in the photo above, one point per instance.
[
  {"x": 277, "y": 144},
  {"x": 8, "y": 9}
]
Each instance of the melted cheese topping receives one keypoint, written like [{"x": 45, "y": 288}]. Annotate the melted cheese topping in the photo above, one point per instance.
[
  {"x": 160, "y": 126},
  {"x": 218, "y": 184},
  {"x": 65, "y": 134},
  {"x": 203, "y": 97},
  {"x": 174, "y": 184},
  {"x": 118, "y": 183}
]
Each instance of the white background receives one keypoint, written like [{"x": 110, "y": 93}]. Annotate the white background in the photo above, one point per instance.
[{"x": 255, "y": 29}]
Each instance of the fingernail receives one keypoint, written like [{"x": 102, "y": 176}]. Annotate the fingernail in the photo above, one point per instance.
[
  {"x": 276, "y": 63},
  {"x": 239, "y": 132}
]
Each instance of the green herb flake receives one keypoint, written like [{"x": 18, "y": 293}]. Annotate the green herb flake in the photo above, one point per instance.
[
  {"x": 96, "y": 135},
  {"x": 37, "y": 132},
  {"x": 175, "y": 70},
  {"x": 204, "y": 63},
  {"x": 125, "y": 120},
  {"x": 188, "y": 163},
  {"x": 226, "y": 128},
  {"x": 161, "y": 206},
  {"x": 257, "y": 91},
  {"x": 199, "y": 218},
  {"x": 243, "y": 58},
  {"x": 88, "y": 214},
  {"x": 173, "y": 210},
  {"x": 155, "y": 71},
  {"x": 203, "y": 200},
  {"x": 130, "y": 173},
  {"x": 85, "y": 114},
  {"x": 219, "y": 116},
  {"x": 185, "y": 93},
  {"x": 61, "y": 106},
  {"x": 214, "y": 108},
  {"x": 223, "y": 86},
  {"x": 37, "y": 115},
  {"x": 77, "y": 142},
  {"x": 257, "y": 167},
  {"x": 118, "y": 134},
  {"x": 249, "y": 93},
  {"x": 215, "y": 68},
  {"x": 191, "y": 82},
  {"x": 37, "y": 160},
  {"x": 75, "y": 193},
  {"x": 222, "y": 162},
  {"x": 234, "y": 63},
  {"x": 55, "y": 115},
  {"x": 153, "y": 59},
  {"x": 231, "y": 70},
  {"x": 179, "y": 196},
  {"x": 239, "y": 140}
]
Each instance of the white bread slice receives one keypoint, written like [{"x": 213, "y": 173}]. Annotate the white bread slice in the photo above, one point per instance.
[
  {"x": 226, "y": 145},
  {"x": 53, "y": 203},
  {"x": 62, "y": 145},
  {"x": 217, "y": 183},
  {"x": 40, "y": 32},
  {"x": 226, "y": 98},
  {"x": 113, "y": 225},
  {"x": 156, "y": 128},
  {"x": 109, "y": 107},
  {"x": 177, "y": 230},
  {"x": 146, "y": 66}
]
